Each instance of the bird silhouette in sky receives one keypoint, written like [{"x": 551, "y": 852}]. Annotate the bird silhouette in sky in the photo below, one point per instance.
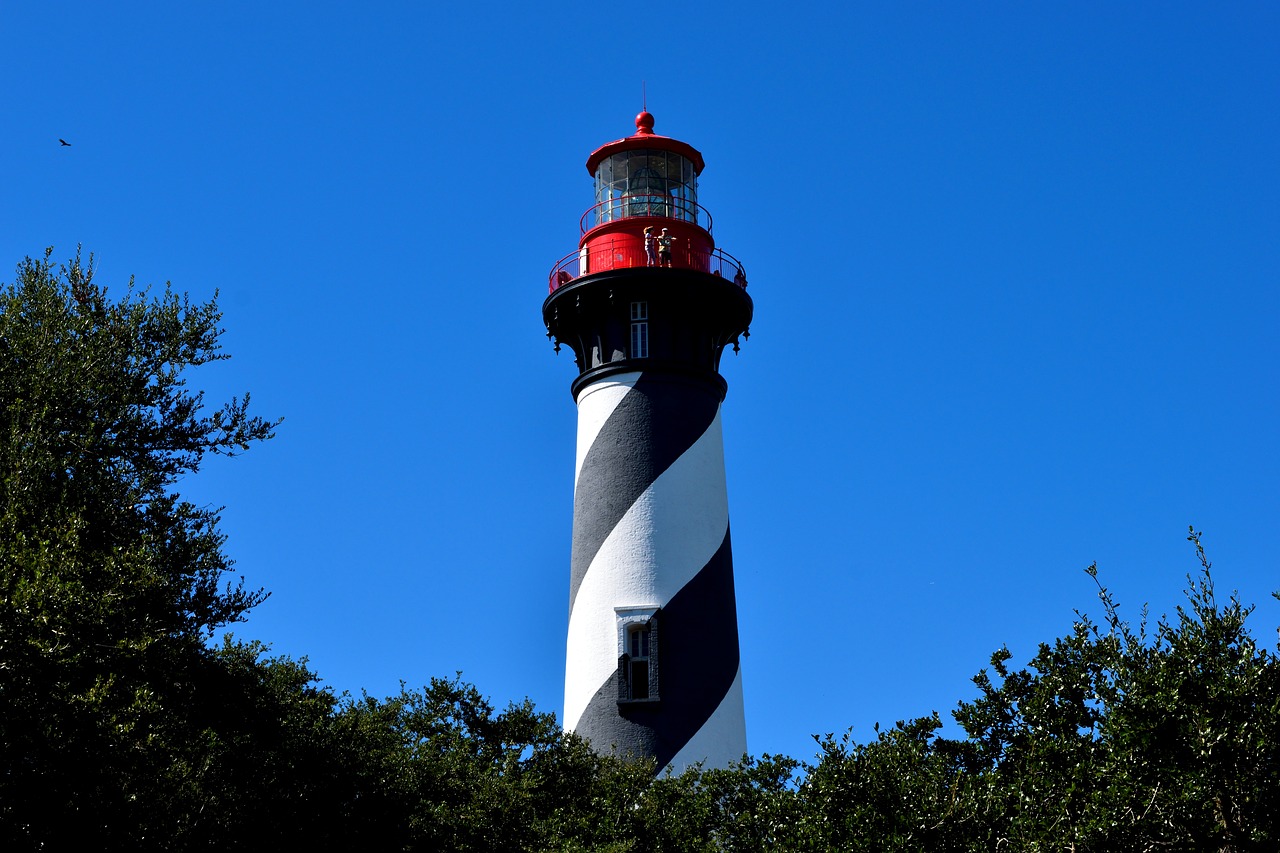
[{"x": 65, "y": 142}]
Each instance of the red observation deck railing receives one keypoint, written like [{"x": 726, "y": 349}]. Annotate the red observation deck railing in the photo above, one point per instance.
[
  {"x": 626, "y": 252},
  {"x": 623, "y": 250}
]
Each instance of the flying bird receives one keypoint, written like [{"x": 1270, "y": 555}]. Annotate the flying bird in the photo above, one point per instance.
[{"x": 65, "y": 142}]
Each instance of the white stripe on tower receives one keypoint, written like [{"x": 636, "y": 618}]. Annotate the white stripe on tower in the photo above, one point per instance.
[
  {"x": 651, "y": 529},
  {"x": 605, "y": 397}
]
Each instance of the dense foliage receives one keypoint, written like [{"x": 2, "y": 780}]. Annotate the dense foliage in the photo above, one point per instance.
[
  {"x": 1113, "y": 738},
  {"x": 123, "y": 727}
]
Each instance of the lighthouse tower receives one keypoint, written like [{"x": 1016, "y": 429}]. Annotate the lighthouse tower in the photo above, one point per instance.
[{"x": 652, "y": 665}]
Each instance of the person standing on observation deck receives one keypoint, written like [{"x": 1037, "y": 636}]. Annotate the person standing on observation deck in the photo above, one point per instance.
[{"x": 664, "y": 249}]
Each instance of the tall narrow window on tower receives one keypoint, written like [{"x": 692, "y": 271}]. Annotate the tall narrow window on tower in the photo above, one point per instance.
[
  {"x": 637, "y": 654},
  {"x": 638, "y": 677},
  {"x": 639, "y": 329}
]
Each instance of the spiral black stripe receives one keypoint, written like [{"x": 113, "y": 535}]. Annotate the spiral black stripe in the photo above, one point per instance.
[
  {"x": 656, "y": 421},
  {"x": 699, "y": 641}
]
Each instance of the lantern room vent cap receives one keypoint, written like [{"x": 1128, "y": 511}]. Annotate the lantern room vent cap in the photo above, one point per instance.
[{"x": 645, "y": 138}]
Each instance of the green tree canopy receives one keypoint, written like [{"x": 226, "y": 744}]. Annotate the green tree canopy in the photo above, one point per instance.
[
  {"x": 1114, "y": 737},
  {"x": 122, "y": 727},
  {"x": 111, "y": 583}
]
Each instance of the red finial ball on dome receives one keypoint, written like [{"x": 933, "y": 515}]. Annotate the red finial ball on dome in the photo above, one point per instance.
[{"x": 644, "y": 122}]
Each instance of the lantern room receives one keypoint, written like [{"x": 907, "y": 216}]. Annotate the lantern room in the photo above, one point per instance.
[
  {"x": 646, "y": 184},
  {"x": 645, "y": 175}
]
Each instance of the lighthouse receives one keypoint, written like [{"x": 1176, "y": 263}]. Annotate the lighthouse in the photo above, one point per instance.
[{"x": 648, "y": 303}]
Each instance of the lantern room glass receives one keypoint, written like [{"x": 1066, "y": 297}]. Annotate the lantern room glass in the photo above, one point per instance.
[{"x": 646, "y": 182}]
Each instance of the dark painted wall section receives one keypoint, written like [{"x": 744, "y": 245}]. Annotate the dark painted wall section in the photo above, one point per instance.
[{"x": 692, "y": 317}]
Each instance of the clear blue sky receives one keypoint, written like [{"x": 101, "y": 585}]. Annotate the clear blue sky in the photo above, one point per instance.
[{"x": 1015, "y": 269}]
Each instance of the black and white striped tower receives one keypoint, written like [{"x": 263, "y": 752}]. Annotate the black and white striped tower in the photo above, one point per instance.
[{"x": 652, "y": 663}]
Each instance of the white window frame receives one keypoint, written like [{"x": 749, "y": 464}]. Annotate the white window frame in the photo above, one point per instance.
[
  {"x": 639, "y": 329},
  {"x": 628, "y": 619}
]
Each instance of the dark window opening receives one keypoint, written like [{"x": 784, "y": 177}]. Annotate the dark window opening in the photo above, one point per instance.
[
  {"x": 638, "y": 654},
  {"x": 638, "y": 677}
]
